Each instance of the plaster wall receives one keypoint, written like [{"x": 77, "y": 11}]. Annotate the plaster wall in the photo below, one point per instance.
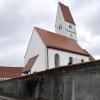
[
  {"x": 64, "y": 57},
  {"x": 36, "y": 47},
  {"x": 65, "y": 30}
]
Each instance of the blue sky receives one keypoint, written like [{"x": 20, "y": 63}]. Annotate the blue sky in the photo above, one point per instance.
[{"x": 18, "y": 17}]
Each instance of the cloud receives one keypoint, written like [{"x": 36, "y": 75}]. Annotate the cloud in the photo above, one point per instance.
[
  {"x": 18, "y": 17},
  {"x": 87, "y": 14},
  {"x": 88, "y": 22}
]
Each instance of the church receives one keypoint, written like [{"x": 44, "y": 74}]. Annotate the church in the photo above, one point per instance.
[{"x": 47, "y": 50}]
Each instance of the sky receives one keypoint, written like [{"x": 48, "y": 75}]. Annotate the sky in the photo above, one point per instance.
[{"x": 18, "y": 18}]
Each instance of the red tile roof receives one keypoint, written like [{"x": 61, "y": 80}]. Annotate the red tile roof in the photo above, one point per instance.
[
  {"x": 56, "y": 41},
  {"x": 30, "y": 63},
  {"x": 10, "y": 72},
  {"x": 66, "y": 13},
  {"x": 90, "y": 56}
]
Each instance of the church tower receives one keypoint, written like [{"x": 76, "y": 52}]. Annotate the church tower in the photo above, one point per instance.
[{"x": 65, "y": 24}]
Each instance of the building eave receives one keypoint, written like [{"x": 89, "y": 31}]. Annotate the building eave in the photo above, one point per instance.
[{"x": 49, "y": 47}]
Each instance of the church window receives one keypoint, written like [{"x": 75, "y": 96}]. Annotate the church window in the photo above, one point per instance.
[
  {"x": 60, "y": 27},
  {"x": 57, "y": 60},
  {"x": 70, "y": 61},
  {"x": 82, "y": 60},
  {"x": 70, "y": 26}
]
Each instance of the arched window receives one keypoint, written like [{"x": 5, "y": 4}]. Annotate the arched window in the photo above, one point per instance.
[
  {"x": 70, "y": 26},
  {"x": 60, "y": 26},
  {"x": 82, "y": 60},
  {"x": 70, "y": 61},
  {"x": 57, "y": 60}
]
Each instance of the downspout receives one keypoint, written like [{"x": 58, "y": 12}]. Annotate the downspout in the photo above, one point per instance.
[{"x": 47, "y": 59}]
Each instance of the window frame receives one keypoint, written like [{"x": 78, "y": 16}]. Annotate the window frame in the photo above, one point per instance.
[{"x": 57, "y": 60}]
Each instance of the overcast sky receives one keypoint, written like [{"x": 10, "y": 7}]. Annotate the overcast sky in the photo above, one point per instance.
[{"x": 18, "y": 17}]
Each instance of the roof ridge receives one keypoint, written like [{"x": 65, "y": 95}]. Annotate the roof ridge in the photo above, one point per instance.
[
  {"x": 66, "y": 13},
  {"x": 63, "y": 4},
  {"x": 54, "y": 33},
  {"x": 44, "y": 29},
  {"x": 60, "y": 42}
]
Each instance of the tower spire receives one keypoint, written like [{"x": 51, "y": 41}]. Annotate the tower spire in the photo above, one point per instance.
[
  {"x": 65, "y": 24},
  {"x": 66, "y": 13}
]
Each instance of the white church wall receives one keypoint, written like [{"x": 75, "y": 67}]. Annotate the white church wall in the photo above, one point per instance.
[
  {"x": 73, "y": 29},
  {"x": 70, "y": 30},
  {"x": 64, "y": 30},
  {"x": 36, "y": 47},
  {"x": 64, "y": 57}
]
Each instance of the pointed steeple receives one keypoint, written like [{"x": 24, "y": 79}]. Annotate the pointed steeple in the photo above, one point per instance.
[
  {"x": 66, "y": 13},
  {"x": 65, "y": 24}
]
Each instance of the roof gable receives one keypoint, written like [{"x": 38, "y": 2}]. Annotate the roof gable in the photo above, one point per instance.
[
  {"x": 66, "y": 13},
  {"x": 60, "y": 42},
  {"x": 30, "y": 63}
]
